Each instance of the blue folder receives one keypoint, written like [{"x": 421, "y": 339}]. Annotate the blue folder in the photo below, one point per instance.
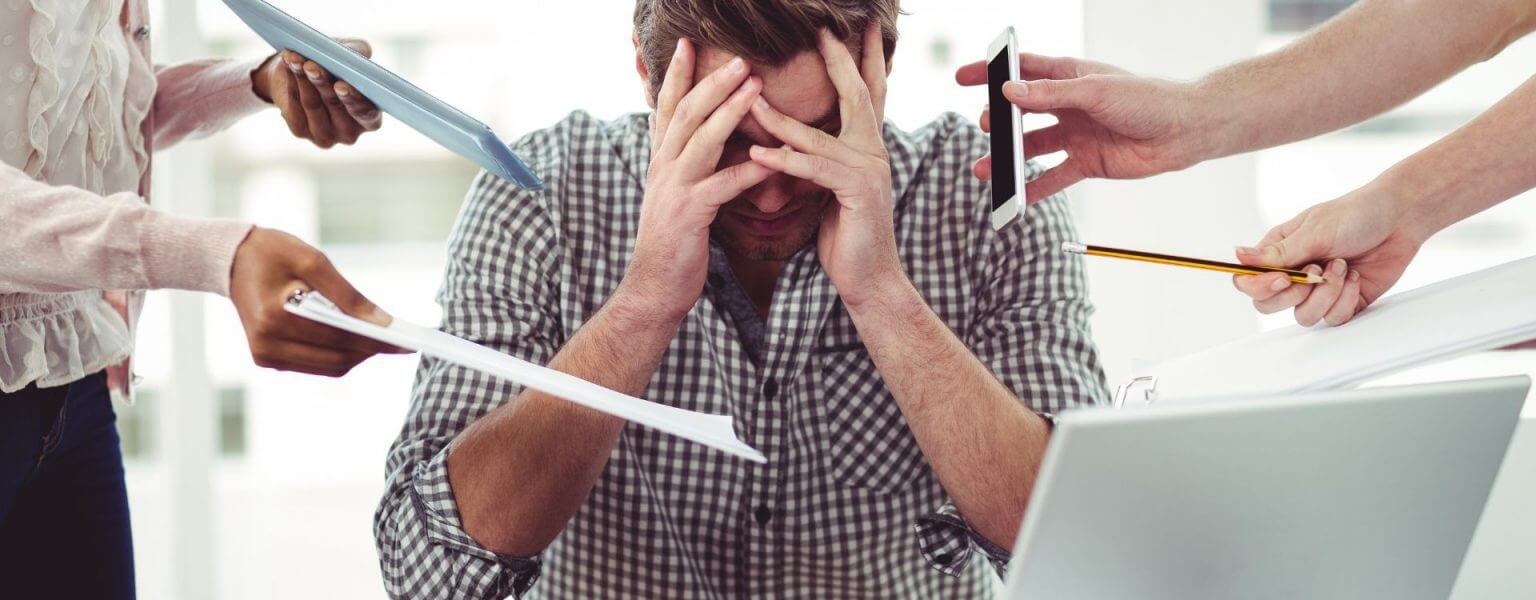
[{"x": 394, "y": 95}]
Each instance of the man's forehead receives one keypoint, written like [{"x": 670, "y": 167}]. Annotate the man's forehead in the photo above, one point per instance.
[{"x": 799, "y": 88}]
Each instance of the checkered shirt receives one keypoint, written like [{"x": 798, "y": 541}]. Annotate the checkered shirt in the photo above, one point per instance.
[{"x": 846, "y": 506}]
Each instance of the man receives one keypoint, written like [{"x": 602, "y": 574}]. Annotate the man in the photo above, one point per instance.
[{"x": 763, "y": 247}]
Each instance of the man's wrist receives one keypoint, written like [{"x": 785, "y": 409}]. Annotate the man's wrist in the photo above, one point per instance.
[
  {"x": 1421, "y": 208},
  {"x": 892, "y": 298},
  {"x": 260, "y": 84},
  {"x": 1216, "y": 126},
  {"x": 635, "y": 311}
]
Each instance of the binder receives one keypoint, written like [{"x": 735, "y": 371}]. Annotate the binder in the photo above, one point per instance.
[
  {"x": 402, "y": 100},
  {"x": 1478, "y": 311}
]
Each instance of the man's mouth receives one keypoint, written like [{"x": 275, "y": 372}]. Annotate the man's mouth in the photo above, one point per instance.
[{"x": 770, "y": 226}]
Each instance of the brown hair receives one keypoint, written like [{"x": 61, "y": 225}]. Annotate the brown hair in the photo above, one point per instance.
[{"x": 766, "y": 32}]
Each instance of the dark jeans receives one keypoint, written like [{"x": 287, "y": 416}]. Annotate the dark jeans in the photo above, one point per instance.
[{"x": 64, "y": 529}]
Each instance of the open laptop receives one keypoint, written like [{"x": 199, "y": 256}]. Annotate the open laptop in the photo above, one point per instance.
[{"x": 1351, "y": 495}]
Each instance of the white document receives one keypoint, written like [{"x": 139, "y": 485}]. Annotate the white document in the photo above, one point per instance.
[
  {"x": 715, "y": 431},
  {"x": 1478, "y": 311}
]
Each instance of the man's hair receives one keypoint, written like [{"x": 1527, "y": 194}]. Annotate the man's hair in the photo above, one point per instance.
[{"x": 765, "y": 32}]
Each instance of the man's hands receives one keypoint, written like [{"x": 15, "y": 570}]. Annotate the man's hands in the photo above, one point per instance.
[
  {"x": 316, "y": 106},
  {"x": 1370, "y": 238},
  {"x": 269, "y": 266},
  {"x": 857, "y": 242},
  {"x": 683, "y": 190},
  {"x": 1112, "y": 124}
]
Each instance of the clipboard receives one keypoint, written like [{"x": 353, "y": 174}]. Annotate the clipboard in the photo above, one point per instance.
[
  {"x": 1462, "y": 315},
  {"x": 714, "y": 431},
  {"x": 444, "y": 124}
]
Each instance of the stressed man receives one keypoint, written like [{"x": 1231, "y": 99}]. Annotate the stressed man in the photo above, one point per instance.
[{"x": 762, "y": 246}]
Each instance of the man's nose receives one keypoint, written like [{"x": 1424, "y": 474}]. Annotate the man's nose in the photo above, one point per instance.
[{"x": 769, "y": 199}]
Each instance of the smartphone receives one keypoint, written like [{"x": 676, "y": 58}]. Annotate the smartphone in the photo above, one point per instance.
[{"x": 1007, "y": 132}]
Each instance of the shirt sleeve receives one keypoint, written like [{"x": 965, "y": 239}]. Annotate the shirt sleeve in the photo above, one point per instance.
[
  {"x": 1032, "y": 332},
  {"x": 200, "y": 98},
  {"x": 68, "y": 239},
  {"x": 500, "y": 290}
]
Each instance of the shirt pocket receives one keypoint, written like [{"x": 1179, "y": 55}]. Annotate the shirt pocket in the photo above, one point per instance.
[{"x": 867, "y": 442}]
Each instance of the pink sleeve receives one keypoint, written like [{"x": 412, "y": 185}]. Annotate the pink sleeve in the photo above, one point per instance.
[
  {"x": 199, "y": 98},
  {"x": 64, "y": 238}
]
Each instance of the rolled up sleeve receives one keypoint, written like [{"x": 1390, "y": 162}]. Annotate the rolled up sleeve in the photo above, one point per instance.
[
  {"x": 498, "y": 291},
  {"x": 1032, "y": 332}
]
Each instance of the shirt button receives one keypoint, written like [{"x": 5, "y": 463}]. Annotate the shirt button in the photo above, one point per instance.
[
  {"x": 944, "y": 558},
  {"x": 762, "y": 515},
  {"x": 770, "y": 389}
]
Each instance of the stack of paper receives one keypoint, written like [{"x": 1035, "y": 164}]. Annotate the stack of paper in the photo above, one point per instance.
[
  {"x": 715, "y": 431},
  {"x": 1479, "y": 311}
]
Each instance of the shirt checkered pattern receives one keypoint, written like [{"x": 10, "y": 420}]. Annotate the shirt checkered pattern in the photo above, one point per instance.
[{"x": 846, "y": 506}]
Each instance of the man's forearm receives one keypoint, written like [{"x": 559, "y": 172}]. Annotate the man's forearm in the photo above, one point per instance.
[
  {"x": 1371, "y": 58},
  {"x": 520, "y": 472},
  {"x": 982, "y": 443},
  {"x": 1485, "y": 162}
]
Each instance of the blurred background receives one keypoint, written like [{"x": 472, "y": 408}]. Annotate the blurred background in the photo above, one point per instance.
[{"x": 248, "y": 483}]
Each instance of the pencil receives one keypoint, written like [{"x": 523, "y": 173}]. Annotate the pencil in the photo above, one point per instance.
[{"x": 1302, "y": 277}]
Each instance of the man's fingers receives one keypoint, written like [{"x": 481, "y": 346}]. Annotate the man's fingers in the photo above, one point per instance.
[
  {"x": 854, "y": 102},
  {"x": 727, "y": 184},
  {"x": 872, "y": 67},
  {"x": 821, "y": 171},
  {"x": 983, "y": 167},
  {"x": 1320, "y": 302},
  {"x": 702, "y": 152},
  {"x": 1348, "y": 303},
  {"x": 364, "y": 112},
  {"x": 1044, "y": 141},
  {"x": 986, "y": 120},
  {"x": 800, "y": 136},
  {"x": 674, "y": 87},
  {"x": 699, "y": 104},
  {"x": 1052, "y": 182}
]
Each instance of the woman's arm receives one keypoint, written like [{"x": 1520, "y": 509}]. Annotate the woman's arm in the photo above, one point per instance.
[{"x": 65, "y": 239}]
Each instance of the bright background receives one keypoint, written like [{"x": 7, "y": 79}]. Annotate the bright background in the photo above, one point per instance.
[{"x": 248, "y": 483}]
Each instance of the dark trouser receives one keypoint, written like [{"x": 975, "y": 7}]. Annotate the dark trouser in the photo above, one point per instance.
[{"x": 64, "y": 529}]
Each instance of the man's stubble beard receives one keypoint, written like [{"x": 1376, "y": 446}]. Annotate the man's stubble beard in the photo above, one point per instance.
[{"x": 751, "y": 248}]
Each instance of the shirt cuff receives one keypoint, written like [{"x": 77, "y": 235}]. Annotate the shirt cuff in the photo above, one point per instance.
[
  {"x": 433, "y": 497},
  {"x": 189, "y": 254},
  {"x": 947, "y": 541}
]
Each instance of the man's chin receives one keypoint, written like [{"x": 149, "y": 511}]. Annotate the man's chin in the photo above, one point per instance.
[{"x": 755, "y": 247}]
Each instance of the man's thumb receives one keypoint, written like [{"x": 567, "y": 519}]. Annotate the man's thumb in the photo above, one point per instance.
[
  {"x": 325, "y": 279},
  {"x": 1285, "y": 252}
]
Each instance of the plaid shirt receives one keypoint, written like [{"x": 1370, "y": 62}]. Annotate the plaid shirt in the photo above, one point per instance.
[{"x": 846, "y": 506}]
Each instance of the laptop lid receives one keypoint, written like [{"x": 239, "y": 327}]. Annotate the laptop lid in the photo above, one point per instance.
[{"x": 1354, "y": 494}]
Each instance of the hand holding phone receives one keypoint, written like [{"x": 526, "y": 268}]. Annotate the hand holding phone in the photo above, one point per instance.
[{"x": 1007, "y": 143}]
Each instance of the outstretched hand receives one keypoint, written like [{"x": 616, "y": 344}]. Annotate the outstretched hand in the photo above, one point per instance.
[{"x": 1111, "y": 124}]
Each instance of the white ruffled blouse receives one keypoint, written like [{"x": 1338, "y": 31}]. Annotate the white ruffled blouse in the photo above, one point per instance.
[{"x": 79, "y": 105}]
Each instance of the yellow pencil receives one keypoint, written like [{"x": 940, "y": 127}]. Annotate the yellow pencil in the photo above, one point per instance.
[{"x": 1194, "y": 263}]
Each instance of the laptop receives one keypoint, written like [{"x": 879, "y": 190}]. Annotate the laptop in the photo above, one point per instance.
[{"x": 1353, "y": 495}]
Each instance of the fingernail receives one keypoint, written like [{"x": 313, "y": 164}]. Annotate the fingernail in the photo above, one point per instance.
[
  {"x": 1354, "y": 276},
  {"x": 343, "y": 91},
  {"x": 1248, "y": 250},
  {"x": 760, "y": 103},
  {"x": 1015, "y": 88},
  {"x": 1314, "y": 269},
  {"x": 1336, "y": 266},
  {"x": 313, "y": 74},
  {"x": 1280, "y": 284},
  {"x": 737, "y": 64}
]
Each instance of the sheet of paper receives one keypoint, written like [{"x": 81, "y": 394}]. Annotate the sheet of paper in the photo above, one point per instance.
[
  {"x": 1478, "y": 311},
  {"x": 715, "y": 431}
]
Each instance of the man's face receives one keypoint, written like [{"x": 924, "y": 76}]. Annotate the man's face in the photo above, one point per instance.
[{"x": 781, "y": 215}]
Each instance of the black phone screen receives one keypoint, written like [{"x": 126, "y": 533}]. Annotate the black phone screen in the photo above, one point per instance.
[{"x": 1003, "y": 184}]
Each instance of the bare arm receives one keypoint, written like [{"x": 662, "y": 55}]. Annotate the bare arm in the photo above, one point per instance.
[
  {"x": 517, "y": 507},
  {"x": 983, "y": 444},
  {"x": 1371, "y": 58},
  {"x": 1375, "y": 56}
]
